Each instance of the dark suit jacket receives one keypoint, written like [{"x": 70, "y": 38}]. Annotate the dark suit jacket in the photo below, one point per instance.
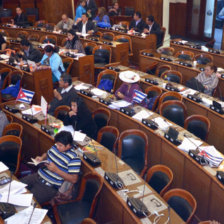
[
  {"x": 34, "y": 55},
  {"x": 89, "y": 26},
  {"x": 21, "y": 20},
  {"x": 139, "y": 28},
  {"x": 157, "y": 31},
  {"x": 93, "y": 7}
]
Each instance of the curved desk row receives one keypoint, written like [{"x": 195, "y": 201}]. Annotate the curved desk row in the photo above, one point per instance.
[{"x": 112, "y": 208}]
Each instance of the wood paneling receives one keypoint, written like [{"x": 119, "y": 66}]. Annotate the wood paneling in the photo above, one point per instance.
[{"x": 178, "y": 19}]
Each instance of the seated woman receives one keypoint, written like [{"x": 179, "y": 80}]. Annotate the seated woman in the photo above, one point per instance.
[
  {"x": 81, "y": 118},
  {"x": 102, "y": 19},
  {"x": 52, "y": 59},
  {"x": 73, "y": 42},
  {"x": 126, "y": 90},
  {"x": 115, "y": 10},
  {"x": 208, "y": 79}
]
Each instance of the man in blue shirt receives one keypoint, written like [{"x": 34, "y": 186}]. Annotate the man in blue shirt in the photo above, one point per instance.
[
  {"x": 62, "y": 164},
  {"x": 80, "y": 10},
  {"x": 137, "y": 23}
]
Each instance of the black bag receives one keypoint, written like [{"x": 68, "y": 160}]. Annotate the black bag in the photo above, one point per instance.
[{"x": 195, "y": 84}]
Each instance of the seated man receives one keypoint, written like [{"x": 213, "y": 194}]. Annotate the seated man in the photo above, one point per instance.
[
  {"x": 64, "y": 94},
  {"x": 152, "y": 27},
  {"x": 85, "y": 26},
  {"x": 137, "y": 23},
  {"x": 28, "y": 52},
  {"x": 63, "y": 165},
  {"x": 65, "y": 24},
  {"x": 115, "y": 10},
  {"x": 208, "y": 79},
  {"x": 20, "y": 18},
  {"x": 3, "y": 43}
]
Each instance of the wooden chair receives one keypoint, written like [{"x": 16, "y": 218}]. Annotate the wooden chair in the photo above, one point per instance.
[
  {"x": 175, "y": 198},
  {"x": 61, "y": 109},
  {"x": 108, "y": 36},
  {"x": 125, "y": 24},
  {"x": 133, "y": 149},
  {"x": 49, "y": 26},
  {"x": 40, "y": 23},
  {"x": 8, "y": 80},
  {"x": 88, "y": 47},
  {"x": 185, "y": 55},
  {"x": 170, "y": 95},
  {"x": 3, "y": 73},
  {"x": 63, "y": 42},
  {"x": 101, "y": 116},
  {"x": 22, "y": 34},
  {"x": 12, "y": 145},
  {"x": 154, "y": 91},
  {"x": 84, "y": 205},
  {"x": 150, "y": 69},
  {"x": 210, "y": 44},
  {"x": 88, "y": 221},
  {"x": 199, "y": 125},
  {"x": 159, "y": 177},
  {"x": 13, "y": 129},
  {"x": 172, "y": 76},
  {"x": 169, "y": 51},
  {"x": 203, "y": 59},
  {"x": 48, "y": 38},
  {"x": 68, "y": 62},
  {"x": 108, "y": 74},
  {"x": 108, "y": 136},
  {"x": 125, "y": 39},
  {"x": 161, "y": 69},
  {"x": 98, "y": 34},
  {"x": 34, "y": 37},
  {"x": 4, "y": 33},
  {"x": 9, "y": 118},
  {"x": 102, "y": 56},
  {"x": 174, "y": 111}
]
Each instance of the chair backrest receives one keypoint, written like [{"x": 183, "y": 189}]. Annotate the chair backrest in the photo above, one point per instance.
[
  {"x": 108, "y": 136},
  {"x": 108, "y": 36},
  {"x": 161, "y": 69},
  {"x": 90, "y": 187},
  {"x": 102, "y": 54},
  {"x": 174, "y": 111},
  {"x": 40, "y": 23},
  {"x": 88, "y": 221},
  {"x": 133, "y": 149},
  {"x": 185, "y": 55},
  {"x": 172, "y": 76},
  {"x": 109, "y": 75},
  {"x": 4, "y": 33},
  {"x": 11, "y": 145},
  {"x": 124, "y": 39},
  {"x": 22, "y": 34},
  {"x": 13, "y": 129},
  {"x": 199, "y": 125},
  {"x": 129, "y": 11},
  {"x": 153, "y": 91},
  {"x": 183, "y": 203},
  {"x": 34, "y": 37},
  {"x": 49, "y": 26},
  {"x": 4, "y": 72},
  {"x": 48, "y": 39},
  {"x": 60, "y": 111},
  {"x": 12, "y": 78},
  {"x": 159, "y": 177},
  {"x": 203, "y": 59},
  {"x": 9, "y": 118},
  {"x": 88, "y": 47},
  {"x": 169, "y": 51},
  {"x": 101, "y": 116},
  {"x": 67, "y": 62}
]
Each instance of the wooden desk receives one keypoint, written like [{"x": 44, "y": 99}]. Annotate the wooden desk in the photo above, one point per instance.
[
  {"x": 138, "y": 43},
  {"x": 217, "y": 58},
  {"x": 39, "y": 81},
  {"x": 118, "y": 19},
  {"x": 187, "y": 72},
  {"x": 111, "y": 207}
]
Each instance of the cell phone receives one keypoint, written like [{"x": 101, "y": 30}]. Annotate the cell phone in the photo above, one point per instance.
[{"x": 4, "y": 180}]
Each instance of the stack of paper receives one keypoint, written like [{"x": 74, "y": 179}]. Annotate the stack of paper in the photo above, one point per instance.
[
  {"x": 207, "y": 101},
  {"x": 118, "y": 104},
  {"x": 188, "y": 91},
  {"x": 81, "y": 86},
  {"x": 189, "y": 144},
  {"x": 211, "y": 154},
  {"x": 98, "y": 92},
  {"x": 163, "y": 124},
  {"x": 35, "y": 109},
  {"x": 142, "y": 115}
]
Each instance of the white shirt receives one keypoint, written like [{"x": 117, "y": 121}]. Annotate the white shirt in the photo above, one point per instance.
[
  {"x": 150, "y": 27},
  {"x": 66, "y": 89},
  {"x": 84, "y": 28}
]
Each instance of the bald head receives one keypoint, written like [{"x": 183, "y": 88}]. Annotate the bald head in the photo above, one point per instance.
[{"x": 64, "y": 17}]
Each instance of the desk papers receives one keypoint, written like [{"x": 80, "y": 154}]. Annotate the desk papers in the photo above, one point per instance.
[
  {"x": 189, "y": 144},
  {"x": 3, "y": 167}
]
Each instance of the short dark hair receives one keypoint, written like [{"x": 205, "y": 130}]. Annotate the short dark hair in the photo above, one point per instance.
[
  {"x": 49, "y": 49},
  {"x": 212, "y": 67},
  {"x": 151, "y": 18},
  {"x": 25, "y": 42},
  {"x": 64, "y": 137},
  {"x": 138, "y": 14},
  {"x": 85, "y": 14},
  {"x": 66, "y": 78}
]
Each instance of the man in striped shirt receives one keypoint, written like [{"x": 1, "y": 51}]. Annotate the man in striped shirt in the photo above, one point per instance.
[{"x": 62, "y": 164}]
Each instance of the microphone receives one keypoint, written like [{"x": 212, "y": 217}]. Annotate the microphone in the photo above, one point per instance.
[
  {"x": 7, "y": 209},
  {"x": 34, "y": 206},
  {"x": 113, "y": 178}
]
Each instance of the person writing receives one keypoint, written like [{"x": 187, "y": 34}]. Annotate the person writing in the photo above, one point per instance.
[
  {"x": 73, "y": 42},
  {"x": 208, "y": 79},
  {"x": 62, "y": 164},
  {"x": 130, "y": 83}
]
